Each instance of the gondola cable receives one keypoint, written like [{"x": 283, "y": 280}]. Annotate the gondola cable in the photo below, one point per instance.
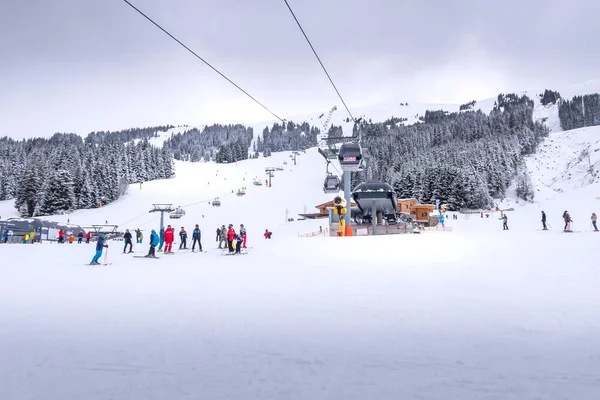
[
  {"x": 203, "y": 60},
  {"x": 319, "y": 59}
]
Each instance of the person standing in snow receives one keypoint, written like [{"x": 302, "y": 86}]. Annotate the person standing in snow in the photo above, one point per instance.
[
  {"x": 61, "y": 236},
  {"x": 162, "y": 239},
  {"x": 88, "y": 236},
  {"x": 153, "y": 243},
  {"x": 127, "y": 239},
  {"x": 196, "y": 236},
  {"x": 243, "y": 234},
  {"x": 169, "y": 238},
  {"x": 442, "y": 221},
  {"x": 5, "y": 236},
  {"x": 594, "y": 222},
  {"x": 568, "y": 221},
  {"x": 99, "y": 247},
  {"x": 223, "y": 237},
  {"x": 230, "y": 238},
  {"x": 218, "y": 234},
  {"x": 138, "y": 235},
  {"x": 544, "y": 221},
  {"x": 183, "y": 238},
  {"x": 504, "y": 223},
  {"x": 79, "y": 237},
  {"x": 238, "y": 246}
]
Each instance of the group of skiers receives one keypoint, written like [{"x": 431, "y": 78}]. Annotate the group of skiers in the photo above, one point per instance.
[
  {"x": 568, "y": 221},
  {"x": 229, "y": 236},
  {"x": 71, "y": 238}
]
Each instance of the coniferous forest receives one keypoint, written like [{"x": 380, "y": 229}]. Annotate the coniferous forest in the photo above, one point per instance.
[
  {"x": 462, "y": 159},
  {"x": 67, "y": 172}
]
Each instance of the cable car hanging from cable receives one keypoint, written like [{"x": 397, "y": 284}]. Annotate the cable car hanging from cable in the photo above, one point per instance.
[
  {"x": 331, "y": 184},
  {"x": 350, "y": 157}
]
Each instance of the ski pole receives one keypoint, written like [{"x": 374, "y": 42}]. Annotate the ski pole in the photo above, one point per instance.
[{"x": 106, "y": 256}]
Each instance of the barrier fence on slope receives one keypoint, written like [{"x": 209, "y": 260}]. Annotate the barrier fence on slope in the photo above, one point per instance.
[{"x": 324, "y": 232}]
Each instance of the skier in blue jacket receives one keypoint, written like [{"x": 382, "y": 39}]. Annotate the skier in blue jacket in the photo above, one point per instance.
[
  {"x": 162, "y": 238},
  {"x": 5, "y": 236},
  {"x": 196, "y": 238},
  {"x": 153, "y": 242},
  {"x": 99, "y": 247}
]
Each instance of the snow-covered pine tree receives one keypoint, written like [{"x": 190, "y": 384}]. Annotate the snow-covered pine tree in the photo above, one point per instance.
[{"x": 59, "y": 197}]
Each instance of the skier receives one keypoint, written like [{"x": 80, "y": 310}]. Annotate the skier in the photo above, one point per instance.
[
  {"x": 138, "y": 235},
  {"x": 153, "y": 243},
  {"x": 25, "y": 238},
  {"x": 504, "y": 223},
  {"x": 594, "y": 221},
  {"x": 196, "y": 235},
  {"x": 71, "y": 239},
  {"x": 442, "y": 221},
  {"x": 183, "y": 238},
  {"x": 61, "y": 236},
  {"x": 223, "y": 237},
  {"x": 243, "y": 234},
  {"x": 79, "y": 237},
  {"x": 141, "y": 237},
  {"x": 230, "y": 238},
  {"x": 218, "y": 234},
  {"x": 162, "y": 239},
  {"x": 169, "y": 237},
  {"x": 99, "y": 247},
  {"x": 268, "y": 234},
  {"x": 568, "y": 221},
  {"x": 544, "y": 221},
  {"x": 238, "y": 246},
  {"x": 5, "y": 236},
  {"x": 88, "y": 236},
  {"x": 127, "y": 238}
]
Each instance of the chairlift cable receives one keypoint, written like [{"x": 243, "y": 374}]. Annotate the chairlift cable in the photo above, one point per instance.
[
  {"x": 203, "y": 60},
  {"x": 319, "y": 59}
]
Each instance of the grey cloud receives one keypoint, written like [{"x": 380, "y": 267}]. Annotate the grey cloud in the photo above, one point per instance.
[{"x": 374, "y": 50}]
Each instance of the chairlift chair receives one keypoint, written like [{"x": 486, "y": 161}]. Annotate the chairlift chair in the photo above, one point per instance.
[
  {"x": 178, "y": 213},
  {"x": 241, "y": 193},
  {"x": 216, "y": 202},
  {"x": 350, "y": 157}
]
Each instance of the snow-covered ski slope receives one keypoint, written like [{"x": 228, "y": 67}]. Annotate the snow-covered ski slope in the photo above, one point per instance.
[{"x": 296, "y": 189}]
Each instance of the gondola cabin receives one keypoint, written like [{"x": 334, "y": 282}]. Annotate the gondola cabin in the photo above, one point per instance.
[
  {"x": 331, "y": 184},
  {"x": 216, "y": 202},
  {"x": 350, "y": 157}
]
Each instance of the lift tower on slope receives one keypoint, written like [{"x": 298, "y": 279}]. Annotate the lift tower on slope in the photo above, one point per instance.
[{"x": 162, "y": 208}]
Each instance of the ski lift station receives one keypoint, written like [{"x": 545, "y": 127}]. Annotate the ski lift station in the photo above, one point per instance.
[{"x": 42, "y": 229}]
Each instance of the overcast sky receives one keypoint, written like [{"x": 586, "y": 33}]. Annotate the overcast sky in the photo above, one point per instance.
[{"x": 84, "y": 65}]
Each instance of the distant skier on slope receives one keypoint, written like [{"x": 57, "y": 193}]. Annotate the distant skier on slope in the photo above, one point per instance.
[
  {"x": 183, "y": 238},
  {"x": 162, "y": 239},
  {"x": 223, "y": 237},
  {"x": 79, "y": 237},
  {"x": 99, "y": 247},
  {"x": 544, "y": 221},
  {"x": 153, "y": 243},
  {"x": 268, "y": 234},
  {"x": 504, "y": 223},
  {"x": 138, "y": 235},
  {"x": 5, "y": 236},
  {"x": 127, "y": 238},
  {"x": 218, "y": 234},
  {"x": 169, "y": 237},
  {"x": 243, "y": 234},
  {"x": 230, "y": 238},
  {"x": 568, "y": 221},
  {"x": 238, "y": 245},
  {"x": 594, "y": 222},
  {"x": 88, "y": 236},
  {"x": 196, "y": 236}
]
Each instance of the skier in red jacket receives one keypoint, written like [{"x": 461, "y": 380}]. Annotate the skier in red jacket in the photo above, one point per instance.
[
  {"x": 88, "y": 236},
  {"x": 169, "y": 237},
  {"x": 230, "y": 238}
]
